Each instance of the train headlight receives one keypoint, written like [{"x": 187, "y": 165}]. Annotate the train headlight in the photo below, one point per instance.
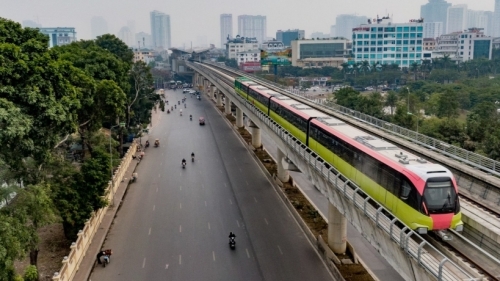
[
  {"x": 459, "y": 228},
  {"x": 422, "y": 230}
]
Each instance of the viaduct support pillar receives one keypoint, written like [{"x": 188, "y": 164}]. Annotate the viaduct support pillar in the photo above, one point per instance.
[
  {"x": 227, "y": 109},
  {"x": 283, "y": 174},
  {"x": 337, "y": 230},
  {"x": 239, "y": 118},
  {"x": 256, "y": 140},
  {"x": 219, "y": 98}
]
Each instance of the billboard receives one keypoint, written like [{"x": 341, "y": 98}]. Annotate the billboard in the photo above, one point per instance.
[{"x": 276, "y": 60}]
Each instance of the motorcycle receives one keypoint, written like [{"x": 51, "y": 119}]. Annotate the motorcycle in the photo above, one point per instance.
[
  {"x": 185, "y": 105},
  {"x": 232, "y": 243},
  {"x": 157, "y": 143},
  {"x": 147, "y": 144},
  {"x": 168, "y": 111},
  {"x": 190, "y": 117},
  {"x": 183, "y": 165}
]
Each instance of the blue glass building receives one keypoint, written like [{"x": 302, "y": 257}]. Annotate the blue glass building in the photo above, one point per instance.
[{"x": 381, "y": 41}]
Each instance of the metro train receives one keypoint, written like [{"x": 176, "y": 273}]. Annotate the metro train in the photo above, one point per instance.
[{"x": 423, "y": 195}]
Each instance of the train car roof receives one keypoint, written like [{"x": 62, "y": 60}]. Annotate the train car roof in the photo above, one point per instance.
[{"x": 383, "y": 150}]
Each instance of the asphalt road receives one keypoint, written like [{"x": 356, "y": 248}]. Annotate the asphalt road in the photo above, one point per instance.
[{"x": 174, "y": 223}]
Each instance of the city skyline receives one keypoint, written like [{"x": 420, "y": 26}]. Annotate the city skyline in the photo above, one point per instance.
[{"x": 184, "y": 29}]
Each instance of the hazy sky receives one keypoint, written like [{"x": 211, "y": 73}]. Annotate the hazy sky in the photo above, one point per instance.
[{"x": 198, "y": 20}]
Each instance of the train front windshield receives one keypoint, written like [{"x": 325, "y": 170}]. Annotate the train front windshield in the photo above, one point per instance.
[{"x": 440, "y": 197}]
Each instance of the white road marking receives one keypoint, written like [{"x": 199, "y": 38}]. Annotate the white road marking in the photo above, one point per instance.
[
  {"x": 180, "y": 259},
  {"x": 230, "y": 202},
  {"x": 248, "y": 254},
  {"x": 166, "y": 266},
  {"x": 180, "y": 228},
  {"x": 180, "y": 205},
  {"x": 208, "y": 225},
  {"x": 161, "y": 163},
  {"x": 149, "y": 231},
  {"x": 144, "y": 263},
  {"x": 205, "y": 203},
  {"x": 247, "y": 182},
  {"x": 280, "y": 249},
  {"x": 154, "y": 207},
  {"x": 241, "y": 170},
  {"x": 157, "y": 189},
  {"x": 159, "y": 175},
  {"x": 220, "y": 171},
  {"x": 213, "y": 254},
  {"x": 180, "y": 187},
  {"x": 238, "y": 223},
  {"x": 255, "y": 199},
  {"x": 202, "y": 186},
  {"x": 266, "y": 221},
  {"x": 225, "y": 184}
]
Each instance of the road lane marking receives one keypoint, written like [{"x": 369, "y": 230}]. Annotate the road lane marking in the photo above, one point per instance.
[
  {"x": 230, "y": 202},
  {"x": 238, "y": 223},
  {"x": 255, "y": 199},
  {"x": 205, "y": 203},
  {"x": 213, "y": 254},
  {"x": 157, "y": 189},
  {"x": 180, "y": 187},
  {"x": 149, "y": 231},
  {"x": 225, "y": 184},
  {"x": 202, "y": 186},
  {"x": 220, "y": 171},
  {"x": 266, "y": 221},
  {"x": 159, "y": 175},
  {"x": 180, "y": 205},
  {"x": 154, "y": 207},
  {"x": 161, "y": 163},
  {"x": 180, "y": 259},
  {"x": 144, "y": 263},
  {"x": 208, "y": 225},
  {"x": 166, "y": 266},
  {"x": 247, "y": 182},
  {"x": 248, "y": 254},
  {"x": 280, "y": 249},
  {"x": 180, "y": 228}
]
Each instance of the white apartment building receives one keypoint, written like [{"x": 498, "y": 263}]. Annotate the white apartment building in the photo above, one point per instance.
[
  {"x": 248, "y": 56},
  {"x": 238, "y": 45},
  {"x": 457, "y": 18},
  {"x": 446, "y": 45},
  {"x": 59, "y": 36},
  {"x": 226, "y": 28},
  {"x": 433, "y": 29},
  {"x": 473, "y": 44}
]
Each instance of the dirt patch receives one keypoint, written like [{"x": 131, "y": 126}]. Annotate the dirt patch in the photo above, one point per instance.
[
  {"x": 53, "y": 247},
  {"x": 311, "y": 216}
]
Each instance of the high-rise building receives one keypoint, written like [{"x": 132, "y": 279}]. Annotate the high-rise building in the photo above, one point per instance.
[
  {"x": 435, "y": 11},
  {"x": 226, "y": 28},
  {"x": 495, "y": 20},
  {"x": 253, "y": 26},
  {"x": 131, "y": 26},
  {"x": 30, "y": 23},
  {"x": 433, "y": 29},
  {"x": 127, "y": 36},
  {"x": 473, "y": 44},
  {"x": 457, "y": 18},
  {"x": 98, "y": 26},
  {"x": 160, "y": 30},
  {"x": 345, "y": 23},
  {"x": 385, "y": 42},
  {"x": 59, "y": 36},
  {"x": 333, "y": 31},
  {"x": 144, "y": 40},
  {"x": 289, "y": 35},
  {"x": 478, "y": 19}
]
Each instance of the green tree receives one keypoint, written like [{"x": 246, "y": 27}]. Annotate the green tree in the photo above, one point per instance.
[
  {"x": 347, "y": 97},
  {"x": 78, "y": 194},
  {"x": 391, "y": 100},
  {"x": 37, "y": 100},
  {"x": 116, "y": 46},
  {"x": 31, "y": 273},
  {"x": 492, "y": 144},
  {"x": 35, "y": 208},
  {"x": 13, "y": 244},
  {"x": 448, "y": 104},
  {"x": 142, "y": 80}
]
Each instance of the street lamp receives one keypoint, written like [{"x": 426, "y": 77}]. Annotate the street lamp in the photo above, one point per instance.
[
  {"x": 122, "y": 124},
  {"x": 408, "y": 109}
]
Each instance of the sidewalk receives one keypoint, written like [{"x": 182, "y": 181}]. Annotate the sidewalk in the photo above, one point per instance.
[{"x": 88, "y": 262}]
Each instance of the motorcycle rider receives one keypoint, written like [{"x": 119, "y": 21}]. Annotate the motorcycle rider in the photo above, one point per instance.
[
  {"x": 192, "y": 156},
  {"x": 183, "y": 162},
  {"x": 231, "y": 236},
  {"x": 181, "y": 112}
]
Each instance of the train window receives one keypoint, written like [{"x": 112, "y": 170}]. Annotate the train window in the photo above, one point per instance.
[{"x": 405, "y": 190}]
